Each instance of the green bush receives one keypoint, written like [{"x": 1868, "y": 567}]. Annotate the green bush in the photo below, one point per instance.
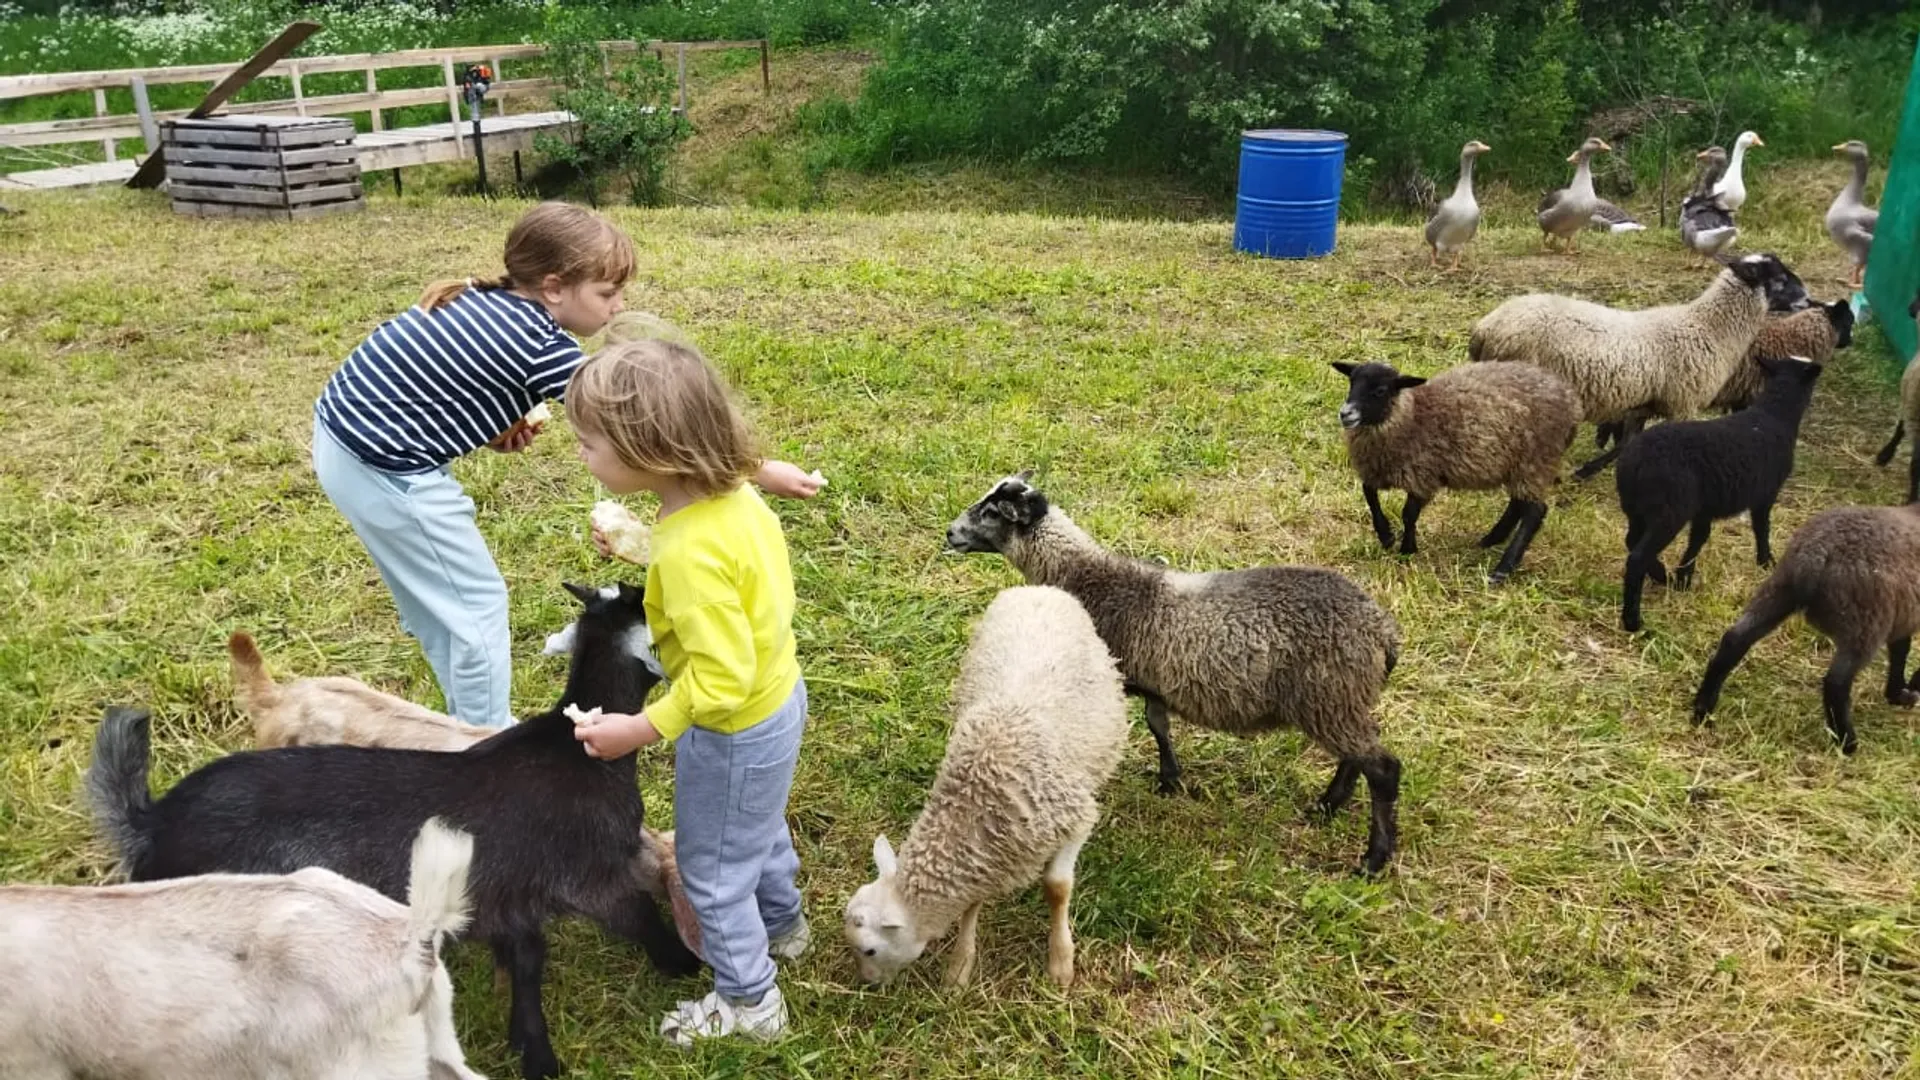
[
  {"x": 1169, "y": 86},
  {"x": 626, "y": 126}
]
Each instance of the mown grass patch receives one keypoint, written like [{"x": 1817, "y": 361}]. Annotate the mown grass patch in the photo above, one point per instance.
[{"x": 1588, "y": 885}]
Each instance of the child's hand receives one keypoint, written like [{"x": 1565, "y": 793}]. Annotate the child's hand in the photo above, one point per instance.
[
  {"x": 785, "y": 478},
  {"x": 600, "y": 541},
  {"x": 611, "y": 735},
  {"x": 516, "y": 438}
]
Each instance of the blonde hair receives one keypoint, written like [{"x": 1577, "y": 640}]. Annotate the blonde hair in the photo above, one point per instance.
[
  {"x": 553, "y": 238},
  {"x": 663, "y": 409}
]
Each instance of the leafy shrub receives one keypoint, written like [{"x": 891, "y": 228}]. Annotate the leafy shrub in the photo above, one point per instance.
[{"x": 626, "y": 126}]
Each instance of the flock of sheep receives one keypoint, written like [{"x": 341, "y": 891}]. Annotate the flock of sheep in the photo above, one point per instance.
[{"x": 234, "y": 954}]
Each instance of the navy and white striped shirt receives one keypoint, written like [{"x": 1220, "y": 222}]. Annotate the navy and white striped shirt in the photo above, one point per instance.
[{"x": 431, "y": 386}]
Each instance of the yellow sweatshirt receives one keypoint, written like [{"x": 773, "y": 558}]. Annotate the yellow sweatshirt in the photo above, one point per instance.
[{"x": 720, "y": 604}]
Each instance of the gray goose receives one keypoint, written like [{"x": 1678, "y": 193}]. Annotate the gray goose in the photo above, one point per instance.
[
  {"x": 1457, "y": 218},
  {"x": 1565, "y": 212},
  {"x": 1850, "y": 221},
  {"x": 1706, "y": 226}
]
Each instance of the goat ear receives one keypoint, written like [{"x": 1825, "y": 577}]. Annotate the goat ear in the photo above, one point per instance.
[
  {"x": 1025, "y": 476},
  {"x": 586, "y": 594},
  {"x": 883, "y": 860},
  {"x": 1344, "y": 368},
  {"x": 1407, "y": 382}
]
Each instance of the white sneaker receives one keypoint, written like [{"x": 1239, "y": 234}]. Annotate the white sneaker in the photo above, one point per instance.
[
  {"x": 793, "y": 944},
  {"x": 715, "y": 1017}
]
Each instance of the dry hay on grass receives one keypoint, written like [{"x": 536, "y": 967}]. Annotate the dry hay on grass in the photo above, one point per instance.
[{"x": 1588, "y": 887}]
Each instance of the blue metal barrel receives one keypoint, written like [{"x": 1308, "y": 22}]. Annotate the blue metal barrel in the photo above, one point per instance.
[{"x": 1289, "y": 199}]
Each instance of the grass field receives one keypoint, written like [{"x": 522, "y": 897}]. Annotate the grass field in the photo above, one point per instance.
[{"x": 1588, "y": 886}]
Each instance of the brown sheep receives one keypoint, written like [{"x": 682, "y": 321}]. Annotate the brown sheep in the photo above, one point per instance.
[
  {"x": 1855, "y": 573},
  {"x": 1470, "y": 428}
]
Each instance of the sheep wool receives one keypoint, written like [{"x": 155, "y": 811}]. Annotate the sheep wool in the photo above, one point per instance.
[
  {"x": 1240, "y": 651},
  {"x": 1854, "y": 573},
  {"x": 1668, "y": 360},
  {"x": 1039, "y": 724},
  {"x": 1472, "y": 428},
  {"x": 1813, "y": 333}
]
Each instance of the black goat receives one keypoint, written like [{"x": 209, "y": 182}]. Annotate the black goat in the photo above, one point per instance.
[{"x": 555, "y": 831}]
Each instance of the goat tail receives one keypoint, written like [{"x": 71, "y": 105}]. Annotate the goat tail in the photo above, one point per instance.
[
  {"x": 252, "y": 686},
  {"x": 117, "y": 784},
  {"x": 437, "y": 905}
]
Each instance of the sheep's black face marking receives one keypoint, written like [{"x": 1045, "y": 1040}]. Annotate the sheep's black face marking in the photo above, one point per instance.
[
  {"x": 1783, "y": 289},
  {"x": 1840, "y": 316},
  {"x": 989, "y": 524},
  {"x": 1371, "y": 389}
]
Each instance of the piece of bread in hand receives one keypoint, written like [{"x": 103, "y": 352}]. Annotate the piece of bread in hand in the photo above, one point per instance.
[{"x": 628, "y": 537}]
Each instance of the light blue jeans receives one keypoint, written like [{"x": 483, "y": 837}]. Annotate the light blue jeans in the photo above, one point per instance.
[
  {"x": 730, "y": 839},
  {"x": 419, "y": 529}
]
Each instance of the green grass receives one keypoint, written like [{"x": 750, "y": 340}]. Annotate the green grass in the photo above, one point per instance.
[{"x": 1588, "y": 886}]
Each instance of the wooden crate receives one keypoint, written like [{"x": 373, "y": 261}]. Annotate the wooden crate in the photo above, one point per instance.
[{"x": 283, "y": 167}]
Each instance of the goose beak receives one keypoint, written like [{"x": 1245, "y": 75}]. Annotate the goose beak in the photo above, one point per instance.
[
  {"x": 1575, "y": 156},
  {"x": 1757, "y": 141},
  {"x": 1604, "y": 146},
  {"x": 1837, "y": 147},
  {"x": 1701, "y": 156}
]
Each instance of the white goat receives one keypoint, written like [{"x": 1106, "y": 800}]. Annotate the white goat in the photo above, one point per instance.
[{"x": 303, "y": 976}]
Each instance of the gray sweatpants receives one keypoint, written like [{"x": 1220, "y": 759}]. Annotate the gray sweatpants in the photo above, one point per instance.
[{"x": 731, "y": 841}]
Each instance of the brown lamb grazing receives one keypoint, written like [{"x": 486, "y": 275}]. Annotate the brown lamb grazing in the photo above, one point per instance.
[
  {"x": 1812, "y": 333},
  {"x": 332, "y": 710},
  {"x": 1470, "y": 428},
  {"x": 1240, "y": 651},
  {"x": 1855, "y": 573}
]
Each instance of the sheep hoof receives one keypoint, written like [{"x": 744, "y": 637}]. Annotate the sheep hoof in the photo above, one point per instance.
[
  {"x": 1630, "y": 623},
  {"x": 1905, "y": 699},
  {"x": 1682, "y": 579},
  {"x": 1498, "y": 577},
  {"x": 1170, "y": 785}
]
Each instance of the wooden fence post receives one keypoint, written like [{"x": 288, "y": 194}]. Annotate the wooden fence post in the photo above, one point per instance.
[
  {"x": 299, "y": 95},
  {"x": 766, "y": 77},
  {"x": 100, "y": 109},
  {"x": 500, "y": 75},
  {"x": 453, "y": 105},
  {"x": 373, "y": 87}
]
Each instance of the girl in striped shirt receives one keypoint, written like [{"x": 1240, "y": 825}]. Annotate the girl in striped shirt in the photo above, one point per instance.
[{"x": 460, "y": 370}]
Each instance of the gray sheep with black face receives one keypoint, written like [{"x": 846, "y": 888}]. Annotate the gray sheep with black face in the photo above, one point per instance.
[{"x": 1240, "y": 651}]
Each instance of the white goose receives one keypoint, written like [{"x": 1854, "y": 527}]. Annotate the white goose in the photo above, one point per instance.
[{"x": 1731, "y": 191}]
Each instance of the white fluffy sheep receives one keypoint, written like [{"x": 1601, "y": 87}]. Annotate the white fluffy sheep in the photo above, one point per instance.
[
  {"x": 303, "y": 976},
  {"x": 1628, "y": 365},
  {"x": 1039, "y": 722}
]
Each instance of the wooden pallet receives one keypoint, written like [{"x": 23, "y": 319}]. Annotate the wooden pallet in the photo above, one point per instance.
[{"x": 282, "y": 167}]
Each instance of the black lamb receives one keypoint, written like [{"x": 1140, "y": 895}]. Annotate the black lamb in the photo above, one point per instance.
[
  {"x": 1700, "y": 471},
  {"x": 555, "y": 831}
]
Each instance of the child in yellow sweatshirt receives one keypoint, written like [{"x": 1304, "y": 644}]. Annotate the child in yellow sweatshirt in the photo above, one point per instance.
[{"x": 654, "y": 416}]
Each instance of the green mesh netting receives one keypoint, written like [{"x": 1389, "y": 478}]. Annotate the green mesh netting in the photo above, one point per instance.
[{"x": 1893, "y": 269}]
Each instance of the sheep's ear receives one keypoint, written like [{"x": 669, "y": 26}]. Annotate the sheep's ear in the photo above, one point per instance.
[
  {"x": 1767, "y": 364},
  {"x": 1407, "y": 382},
  {"x": 1344, "y": 368},
  {"x": 883, "y": 860},
  {"x": 1025, "y": 508},
  {"x": 1025, "y": 476},
  {"x": 630, "y": 595},
  {"x": 586, "y": 594}
]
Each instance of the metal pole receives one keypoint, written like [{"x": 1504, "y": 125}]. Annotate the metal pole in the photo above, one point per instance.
[{"x": 479, "y": 148}]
